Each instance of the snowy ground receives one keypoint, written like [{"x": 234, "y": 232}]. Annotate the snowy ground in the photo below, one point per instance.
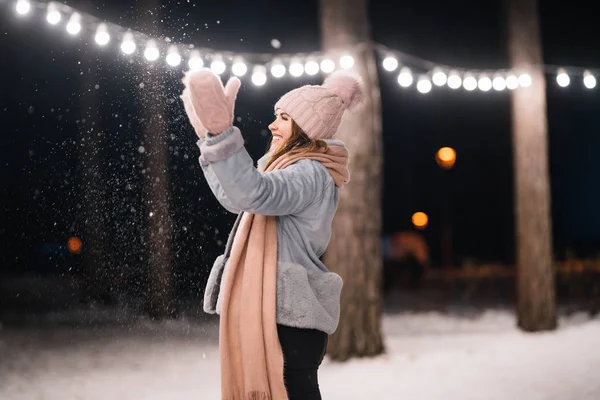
[{"x": 430, "y": 356}]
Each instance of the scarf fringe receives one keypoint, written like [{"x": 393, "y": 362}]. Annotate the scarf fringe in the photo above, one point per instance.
[{"x": 254, "y": 395}]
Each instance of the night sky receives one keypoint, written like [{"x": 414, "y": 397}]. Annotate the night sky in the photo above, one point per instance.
[{"x": 44, "y": 82}]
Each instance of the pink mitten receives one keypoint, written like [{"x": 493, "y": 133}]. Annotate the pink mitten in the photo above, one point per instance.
[
  {"x": 189, "y": 110},
  {"x": 212, "y": 103}
]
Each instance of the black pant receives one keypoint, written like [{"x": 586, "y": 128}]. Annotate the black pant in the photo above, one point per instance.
[{"x": 303, "y": 351}]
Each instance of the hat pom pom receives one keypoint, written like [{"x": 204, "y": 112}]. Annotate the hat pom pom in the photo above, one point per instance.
[{"x": 348, "y": 87}]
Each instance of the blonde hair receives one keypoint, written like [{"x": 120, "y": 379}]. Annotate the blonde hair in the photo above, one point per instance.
[{"x": 298, "y": 143}]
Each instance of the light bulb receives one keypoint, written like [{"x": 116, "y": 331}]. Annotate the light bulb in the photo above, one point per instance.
[
  {"x": 390, "y": 63},
  {"x": 346, "y": 62},
  {"x": 53, "y": 16},
  {"x": 128, "y": 45},
  {"x": 439, "y": 77},
  {"x": 525, "y": 80},
  {"x": 512, "y": 82},
  {"x": 217, "y": 66},
  {"x": 277, "y": 69},
  {"x": 424, "y": 85},
  {"x": 195, "y": 62},
  {"x": 151, "y": 52},
  {"x": 454, "y": 80},
  {"x": 484, "y": 83},
  {"x": 499, "y": 83},
  {"x": 327, "y": 66},
  {"x": 589, "y": 80},
  {"x": 405, "y": 78},
  {"x": 74, "y": 25},
  {"x": 173, "y": 58},
  {"x": 23, "y": 7},
  {"x": 239, "y": 68},
  {"x": 102, "y": 36},
  {"x": 296, "y": 68},
  {"x": 311, "y": 67},
  {"x": 470, "y": 83},
  {"x": 562, "y": 78},
  {"x": 259, "y": 75}
]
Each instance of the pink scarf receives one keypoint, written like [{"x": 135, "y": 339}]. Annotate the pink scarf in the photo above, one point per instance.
[{"x": 251, "y": 356}]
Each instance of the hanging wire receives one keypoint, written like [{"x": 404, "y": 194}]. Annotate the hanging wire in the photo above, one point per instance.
[{"x": 165, "y": 46}]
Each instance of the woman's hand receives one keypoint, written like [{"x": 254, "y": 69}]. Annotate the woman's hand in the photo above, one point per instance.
[
  {"x": 189, "y": 110},
  {"x": 212, "y": 103}
]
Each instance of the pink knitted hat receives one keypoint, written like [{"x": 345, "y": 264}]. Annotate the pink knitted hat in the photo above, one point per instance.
[{"x": 317, "y": 109}]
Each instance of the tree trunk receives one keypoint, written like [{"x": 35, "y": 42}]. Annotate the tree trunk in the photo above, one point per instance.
[
  {"x": 158, "y": 236},
  {"x": 354, "y": 251},
  {"x": 536, "y": 307}
]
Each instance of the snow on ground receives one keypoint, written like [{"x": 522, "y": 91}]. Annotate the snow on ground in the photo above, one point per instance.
[{"x": 429, "y": 356}]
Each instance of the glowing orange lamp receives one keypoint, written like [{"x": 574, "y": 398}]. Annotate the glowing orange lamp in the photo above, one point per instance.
[
  {"x": 74, "y": 245},
  {"x": 420, "y": 220},
  {"x": 446, "y": 157}
]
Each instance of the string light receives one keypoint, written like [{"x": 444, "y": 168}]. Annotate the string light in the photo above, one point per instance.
[
  {"x": 498, "y": 80},
  {"x": 259, "y": 75},
  {"x": 439, "y": 77},
  {"x": 429, "y": 73},
  {"x": 484, "y": 83},
  {"x": 589, "y": 80},
  {"x": 195, "y": 61},
  {"x": 217, "y": 65},
  {"x": 277, "y": 69},
  {"x": 102, "y": 36},
  {"x": 151, "y": 52},
  {"x": 173, "y": 58},
  {"x": 525, "y": 80},
  {"x": 562, "y": 78},
  {"x": 327, "y": 66},
  {"x": 424, "y": 85},
  {"x": 346, "y": 61},
  {"x": 296, "y": 68},
  {"x": 454, "y": 80},
  {"x": 512, "y": 82},
  {"x": 390, "y": 63},
  {"x": 53, "y": 16},
  {"x": 74, "y": 25},
  {"x": 311, "y": 67},
  {"x": 470, "y": 83},
  {"x": 128, "y": 46},
  {"x": 239, "y": 67},
  {"x": 499, "y": 83},
  {"x": 405, "y": 78},
  {"x": 23, "y": 7}
]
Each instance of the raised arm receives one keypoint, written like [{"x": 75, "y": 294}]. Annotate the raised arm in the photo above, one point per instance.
[{"x": 288, "y": 191}]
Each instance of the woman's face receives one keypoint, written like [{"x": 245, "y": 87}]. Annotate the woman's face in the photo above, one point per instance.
[{"x": 281, "y": 129}]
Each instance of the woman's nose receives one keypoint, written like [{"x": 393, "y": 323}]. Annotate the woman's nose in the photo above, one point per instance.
[{"x": 272, "y": 126}]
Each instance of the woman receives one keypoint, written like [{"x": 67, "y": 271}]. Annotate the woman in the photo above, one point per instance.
[{"x": 276, "y": 300}]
